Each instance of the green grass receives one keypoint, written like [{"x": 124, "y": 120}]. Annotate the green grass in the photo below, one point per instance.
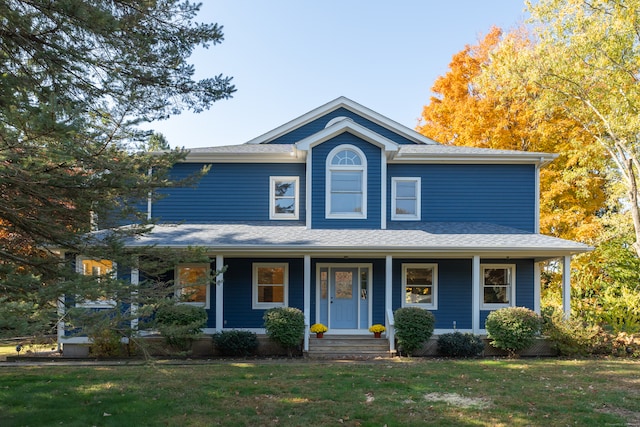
[{"x": 400, "y": 392}]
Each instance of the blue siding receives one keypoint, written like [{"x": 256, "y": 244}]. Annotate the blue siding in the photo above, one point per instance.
[
  {"x": 318, "y": 203},
  {"x": 454, "y": 291},
  {"x": 238, "y": 311},
  {"x": 320, "y": 123},
  {"x": 499, "y": 194},
  {"x": 229, "y": 192}
]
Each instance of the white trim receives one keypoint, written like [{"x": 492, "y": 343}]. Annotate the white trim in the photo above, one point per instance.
[
  {"x": 135, "y": 281},
  {"x": 434, "y": 285},
  {"x": 219, "y": 293},
  {"x": 475, "y": 294},
  {"x": 343, "y": 102},
  {"x": 308, "y": 190},
  {"x": 537, "y": 288},
  {"x": 536, "y": 226},
  {"x": 272, "y": 198},
  {"x": 255, "y": 304},
  {"x": 418, "y": 192},
  {"x": 338, "y": 265},
  {"x": 110, "y": 303},
  {"x": 307, "y": 299},
  {"x": 566, "y": 286},
  {"x": 351, "y": 127},
  {"x": 178, "y": 285},
  {"x": 512, "y": 286},
  {"x": 329, "y": 168},
  {"x": 383, "y": 192}
]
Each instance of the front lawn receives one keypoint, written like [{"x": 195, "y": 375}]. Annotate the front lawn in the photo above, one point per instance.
[{"x": 394, "y": 392}]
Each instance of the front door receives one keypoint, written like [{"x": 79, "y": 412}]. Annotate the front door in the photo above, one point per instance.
[{"x": 344, "y": 297}]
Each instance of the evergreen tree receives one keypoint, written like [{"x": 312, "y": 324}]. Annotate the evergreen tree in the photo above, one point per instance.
[{"x": 78, "y": 80}]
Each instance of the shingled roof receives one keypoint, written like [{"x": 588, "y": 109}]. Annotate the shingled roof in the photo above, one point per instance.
[{"x": 423, "y": 239}]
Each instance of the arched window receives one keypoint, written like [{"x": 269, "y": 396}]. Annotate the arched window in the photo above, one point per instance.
[{"x": 346, "y": 183}]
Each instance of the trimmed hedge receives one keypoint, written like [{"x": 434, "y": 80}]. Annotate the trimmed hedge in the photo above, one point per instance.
[
  {"x": 180, "y": 324},
  {"x": 513, "y": 328},
  {"x": 414, "y": 326},
  {"x": 285, "y": 325},
  {"x": 458, "y": 344},
  {"x": 236, "y": 343}
]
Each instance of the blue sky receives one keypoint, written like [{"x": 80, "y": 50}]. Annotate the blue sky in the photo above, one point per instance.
[{"x": 288, "y": 57}]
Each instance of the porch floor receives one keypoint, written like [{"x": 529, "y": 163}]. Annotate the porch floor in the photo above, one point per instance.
[{"x": 348, "y": 347}]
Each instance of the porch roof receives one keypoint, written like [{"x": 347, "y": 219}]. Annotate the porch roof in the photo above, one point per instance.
[{"x": 442, "y": 239}]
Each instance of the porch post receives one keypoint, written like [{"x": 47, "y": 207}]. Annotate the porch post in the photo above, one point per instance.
[
  {"x": 135, "y": 281},
  {"x": 307, "y": 300},
  {"x": 566, "y": 286},
  {"x": 536, "y": 287},
  {"x": 475, "y": 294},
  {"x": 388, "y": 301},
  {"x": 219, "y": 294}
]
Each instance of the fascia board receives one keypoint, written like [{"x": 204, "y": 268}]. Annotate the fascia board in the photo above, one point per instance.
[
  {"x": 351, "y": 106},
  {"x": 292, "y": 157},
  {"x": 435, "y": 158},
  {"x": 346, "y": 126}
]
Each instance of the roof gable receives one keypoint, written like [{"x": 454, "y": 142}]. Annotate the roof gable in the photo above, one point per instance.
[{"x": 294, "y": 131}]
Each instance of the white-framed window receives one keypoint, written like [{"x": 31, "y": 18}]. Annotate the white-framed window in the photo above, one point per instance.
[
  {"x": 270, "y": 285},
  {"x": 346, "y": 183},
  {"x": 420, "y": 284},
  {"x": 193, "y": 284},
  {"x": 284, "y": 197},
  {"x": 99, "y": 268},
  {"x": 498, "y": 286},
  {"x": 405, "y": 199}
]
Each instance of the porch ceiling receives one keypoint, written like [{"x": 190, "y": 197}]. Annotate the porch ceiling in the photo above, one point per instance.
[{"x": 443, "y": 239}]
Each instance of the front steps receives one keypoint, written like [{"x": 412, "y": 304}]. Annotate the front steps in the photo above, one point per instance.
[{"x": 348, "y": 347}]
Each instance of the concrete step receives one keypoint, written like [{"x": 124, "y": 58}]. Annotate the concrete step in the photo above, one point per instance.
[{"x": 348, "y": 346}]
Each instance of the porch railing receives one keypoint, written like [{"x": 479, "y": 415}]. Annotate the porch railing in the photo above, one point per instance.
[{"x": 390, "y": 330}]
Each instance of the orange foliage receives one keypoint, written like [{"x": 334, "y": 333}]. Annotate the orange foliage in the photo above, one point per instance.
[{"x": 501, "y": 115}]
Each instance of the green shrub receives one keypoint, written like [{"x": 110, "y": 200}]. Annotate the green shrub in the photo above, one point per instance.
[
  {"x": 414, "y": 326},
  {"x": 236, "y": 343},
  {"x": 180, "y": 324},
  {"x": 513, "y": 328},
  {"x": 458, "y": 344},
  {"x": 569, "y": 337},
  {"x": 285, "y": 325},
  {"x": 104, "y": 343}
]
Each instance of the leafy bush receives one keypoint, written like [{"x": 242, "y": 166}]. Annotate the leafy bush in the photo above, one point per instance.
[
  {"x": 236, "y": 343},
  {"x": 104, "y": 343},
  {"x": 285, "y": 325},
  {"x": 414, "y": 326},
  {"x": 569, "y": 337},
  {"x": 180, "y": 324},
  {"x": 513, "y": 328},
  {"x": 458, "y": 344}
]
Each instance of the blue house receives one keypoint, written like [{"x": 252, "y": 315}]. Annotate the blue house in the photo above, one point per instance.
[{"x": 348, "y": 216}]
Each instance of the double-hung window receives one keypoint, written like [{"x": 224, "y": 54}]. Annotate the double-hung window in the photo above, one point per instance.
[
  {"x": 405, "y": 199},
  {"x": 420, "y": 283},
  {"x": 270, "y": 285},
  {"x": 498, "y": 286},
  {"x": 284, "y": 195},
  {"x": 193, "y": 283},
  {"x": 346, "y": 183}
]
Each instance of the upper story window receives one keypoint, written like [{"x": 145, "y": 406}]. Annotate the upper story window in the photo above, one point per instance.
[
  {"x": 284, "y": 196},
  {"x": 346, "y": 184},
  {"x": 405, "y": 199},
  {"x": 498, "y": 286},
  {"x": 193, "y": 283}
]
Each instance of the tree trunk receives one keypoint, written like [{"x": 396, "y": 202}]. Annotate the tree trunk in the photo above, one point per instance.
[{"x": 633, "y": 201}]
